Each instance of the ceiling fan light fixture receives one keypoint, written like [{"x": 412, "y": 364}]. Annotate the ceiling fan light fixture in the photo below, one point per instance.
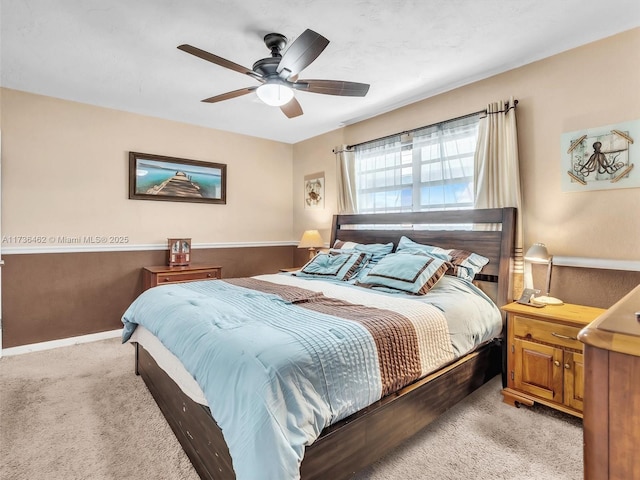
[{"x": 274, "y": 94}]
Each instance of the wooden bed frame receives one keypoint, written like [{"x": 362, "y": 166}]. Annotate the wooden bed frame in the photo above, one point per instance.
[{"x": 359, "y": 440}]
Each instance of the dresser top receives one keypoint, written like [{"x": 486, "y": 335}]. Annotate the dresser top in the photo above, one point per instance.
[
  {"x": 186, "y": 268},
  {"x": 617, "y": 329}
]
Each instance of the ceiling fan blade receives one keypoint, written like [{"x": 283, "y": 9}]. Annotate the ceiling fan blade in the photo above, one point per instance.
[
  {"x": 304, "y": 50},
  {"x": 210, "y": 57},
  {"x": 292, "y": 109},
  {"x": 332, "y": 87},
  {"x": 229, "y": 95}
]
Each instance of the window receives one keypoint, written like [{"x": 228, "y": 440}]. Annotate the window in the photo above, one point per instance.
[{"x": 427, "y": 169}]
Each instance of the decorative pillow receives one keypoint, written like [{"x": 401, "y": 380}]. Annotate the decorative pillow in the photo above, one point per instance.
[
  {"x": 415, "y": 274},
  {"x": 464, "y": 264},
  {"x": 366, "y": 262},
  {"x": 377, "y": 250},
  {"x": 341, "y": 266}
]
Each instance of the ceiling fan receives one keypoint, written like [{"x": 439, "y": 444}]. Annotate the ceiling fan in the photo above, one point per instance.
[{"x": 278, "y": 73}]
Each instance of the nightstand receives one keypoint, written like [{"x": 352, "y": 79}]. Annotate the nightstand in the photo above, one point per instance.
[
  {"x": 545, "y": 361},
  {"x": 160, "y": 275}
]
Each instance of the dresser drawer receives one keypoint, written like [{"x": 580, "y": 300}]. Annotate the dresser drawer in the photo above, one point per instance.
[
  {"x": 546, "y": 332},
  {"x": 174, "y": 277},
  {"x": 164, "y": 275}
]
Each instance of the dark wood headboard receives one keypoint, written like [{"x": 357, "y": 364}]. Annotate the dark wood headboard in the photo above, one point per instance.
[{"x": 489, "y": 232}]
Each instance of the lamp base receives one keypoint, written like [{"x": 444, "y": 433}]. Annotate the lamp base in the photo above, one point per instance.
[{"x": 548, "y": 300}]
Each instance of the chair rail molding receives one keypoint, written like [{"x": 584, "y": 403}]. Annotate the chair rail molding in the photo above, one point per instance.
[{"x": 601, "y": 263}]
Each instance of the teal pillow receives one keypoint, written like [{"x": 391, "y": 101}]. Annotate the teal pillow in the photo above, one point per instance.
[
  {"x": 415, "y": 274},
  {"x": 376, "y": 250},
  {"x": 339, "y": 266},
  {"x": 464, "y": 264}
]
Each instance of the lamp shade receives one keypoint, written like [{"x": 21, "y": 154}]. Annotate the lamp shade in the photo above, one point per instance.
[
  {"x": 538, "y": 253},
  {"x": 311, "y": 239},
  {"x": 274, "y": 94}
]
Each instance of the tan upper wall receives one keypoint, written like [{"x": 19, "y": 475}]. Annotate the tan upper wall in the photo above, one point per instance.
[
  {"x": 594, "y": 85},
  {"x": 59, "y": 177},
  {"x": 310, "y": 157},
  {"x": 65, "y": 173}
]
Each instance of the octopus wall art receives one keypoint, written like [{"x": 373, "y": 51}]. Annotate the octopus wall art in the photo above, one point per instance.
[
  {"x": 314, "y": 190},
  {"x": 600, "y": 158}
]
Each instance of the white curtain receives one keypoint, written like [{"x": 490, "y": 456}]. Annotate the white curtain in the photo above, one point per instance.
[
  {"x": 380, "y": 186},
  {"x": 346, "y": 179},
  {"x": 497, "y": 173}
]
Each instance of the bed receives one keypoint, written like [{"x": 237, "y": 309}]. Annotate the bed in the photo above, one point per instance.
[{"x": 351, "y": 440}]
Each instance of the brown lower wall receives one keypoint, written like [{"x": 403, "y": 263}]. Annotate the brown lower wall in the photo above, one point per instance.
[
  {"x": 50, "y": 296},
  {"x": 586, "y": 286}
]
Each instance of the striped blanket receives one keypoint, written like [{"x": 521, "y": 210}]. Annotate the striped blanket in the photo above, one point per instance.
[{"x": 280, "y": 358}]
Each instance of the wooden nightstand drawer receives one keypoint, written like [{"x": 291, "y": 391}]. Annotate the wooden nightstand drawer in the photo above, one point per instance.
[
  {"x": 163, "y": 275},
  {"x": 188, "y": 276},
  {"x": 547, "y": 332}
]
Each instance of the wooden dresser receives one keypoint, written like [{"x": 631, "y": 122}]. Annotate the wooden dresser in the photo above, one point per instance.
[
  {"x": 544, "y": 356},
  {"x": 612, "y": 393},
  {"x": 160, "y": 275}
]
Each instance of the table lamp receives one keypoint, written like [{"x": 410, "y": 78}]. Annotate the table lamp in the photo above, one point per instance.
[
  {"x": 538, "y": 253},
  {"x": 311, "y": 239}
]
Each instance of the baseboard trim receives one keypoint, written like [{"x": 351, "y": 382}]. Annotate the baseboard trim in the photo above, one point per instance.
[{"x": 63, "y": 342}]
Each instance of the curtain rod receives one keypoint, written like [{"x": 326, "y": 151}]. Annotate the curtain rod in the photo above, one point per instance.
[{"x": 507, "y": 108}]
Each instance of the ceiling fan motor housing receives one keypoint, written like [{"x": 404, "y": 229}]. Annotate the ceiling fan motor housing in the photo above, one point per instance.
[{"x": 267, "y": 67}]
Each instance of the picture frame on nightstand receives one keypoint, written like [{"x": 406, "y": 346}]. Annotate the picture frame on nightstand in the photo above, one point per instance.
[
  {"x": 179, "y": 252},
  {"x": 527, "y": 298}
]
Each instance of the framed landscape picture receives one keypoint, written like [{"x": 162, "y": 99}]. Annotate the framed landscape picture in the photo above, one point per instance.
[{"x": 156, "y": 177}]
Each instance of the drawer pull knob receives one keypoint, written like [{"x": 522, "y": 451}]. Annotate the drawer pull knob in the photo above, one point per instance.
[
  {"x": 566, "y": 337},
  {"x": 208, "y": 275},
  {"x": 165, "y": 279},
  {"x": 556, "y": 363},
  {"x": 567, "y": 366}
]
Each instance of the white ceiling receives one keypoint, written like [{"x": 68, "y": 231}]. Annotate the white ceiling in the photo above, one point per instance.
[{"x": 122, "y": 53}]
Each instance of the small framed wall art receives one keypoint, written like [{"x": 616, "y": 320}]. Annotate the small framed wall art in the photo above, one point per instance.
[
  {"x": 314, "y": 190},
  {"x": 179, "y": 252}
]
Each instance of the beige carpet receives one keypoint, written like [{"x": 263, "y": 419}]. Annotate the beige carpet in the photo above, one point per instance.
[{"x": 80, "y": 413}]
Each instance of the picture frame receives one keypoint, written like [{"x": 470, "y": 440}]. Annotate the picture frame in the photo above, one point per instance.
[
  {"x": 314, "y": 190},
  {"x": 601, "y": 158},
  {"x": 179, "y": 252},
  {"x": 162, "y": 178}
]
